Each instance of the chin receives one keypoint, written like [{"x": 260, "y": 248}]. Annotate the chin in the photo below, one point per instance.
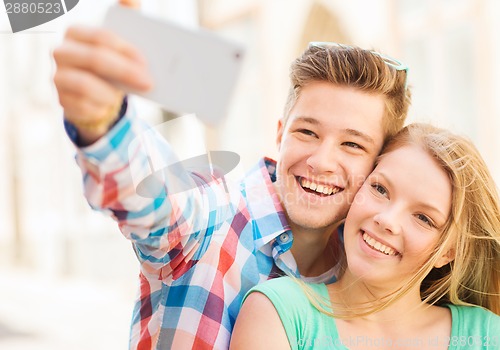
[{"x": 313, "y": 222}]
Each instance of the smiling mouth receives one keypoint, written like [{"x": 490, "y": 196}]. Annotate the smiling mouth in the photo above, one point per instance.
[
  {"x": 319, "y": 189},
  {"x": 378, "y": 246}
]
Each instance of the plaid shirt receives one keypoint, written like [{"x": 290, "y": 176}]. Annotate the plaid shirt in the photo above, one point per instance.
[{"x": 202, "y": 242}]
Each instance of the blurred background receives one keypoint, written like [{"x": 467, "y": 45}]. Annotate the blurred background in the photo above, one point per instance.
[{"x": 67, "y": 276}]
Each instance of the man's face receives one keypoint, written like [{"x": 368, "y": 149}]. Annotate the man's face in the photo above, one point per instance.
[{"x": 326, "y": 149}]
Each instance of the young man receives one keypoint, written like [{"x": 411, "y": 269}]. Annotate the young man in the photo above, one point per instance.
[{"x": 203, "y": 248}]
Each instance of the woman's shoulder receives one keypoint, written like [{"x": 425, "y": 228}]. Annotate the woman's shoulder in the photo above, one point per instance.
[
  {"x": 476, "y": 312},
  {"x": 281, "y": 286},
  {"x": 279, "y": 282},
  {"x": 289, "y": 287},
  {"x": 474, "y": 320},
  {"x": 292, "y": 300}
]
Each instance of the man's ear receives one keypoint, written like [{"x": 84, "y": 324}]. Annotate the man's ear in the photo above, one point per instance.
[
  {"x": 279, "y": 133},
  {"x": 445, "y": 258}
]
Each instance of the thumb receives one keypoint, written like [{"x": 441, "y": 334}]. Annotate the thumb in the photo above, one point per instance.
[{"x": 135, "y": 4}]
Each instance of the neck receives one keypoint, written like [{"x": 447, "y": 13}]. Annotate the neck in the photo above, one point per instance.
[
  {"x": 315, "y": 251},
  {"x": 352, "y": 291},
  {"x": 405, "y": 318}
]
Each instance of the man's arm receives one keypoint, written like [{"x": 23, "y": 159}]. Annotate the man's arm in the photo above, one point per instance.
[
  {"x": 166, "y": 224},
  {"x": 258, "y": 326}
]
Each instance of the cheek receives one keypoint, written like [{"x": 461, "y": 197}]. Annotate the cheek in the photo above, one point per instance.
[
  {"x": 361, "y": 211},
  {"x": 356, "y": 212},
  {"x": 283, "y": 156},
  {"x": 292, "y": 152},
  {"x": 420, "y": 247},
  {"x": 361, "y": 201},
  {"x": 285, "y": 146},
  {"x": 359, "y": 171}
]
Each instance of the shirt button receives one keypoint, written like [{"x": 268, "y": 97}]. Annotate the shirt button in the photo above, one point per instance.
[{"x": 284, "y": 237}]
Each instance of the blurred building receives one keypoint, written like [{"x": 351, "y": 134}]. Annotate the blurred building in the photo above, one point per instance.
[{"x": 47, "y": 230}]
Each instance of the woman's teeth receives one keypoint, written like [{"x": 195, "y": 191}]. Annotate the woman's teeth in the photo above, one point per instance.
[{"x": 378, "y": 246}]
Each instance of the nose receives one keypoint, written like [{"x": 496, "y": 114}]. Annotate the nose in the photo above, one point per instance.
[
  {"x": 389, "y": 220},
  {"x": 324, "y": 158}
]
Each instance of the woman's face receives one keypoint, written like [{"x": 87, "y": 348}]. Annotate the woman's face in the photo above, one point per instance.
[{"x": 397, "y": 216}]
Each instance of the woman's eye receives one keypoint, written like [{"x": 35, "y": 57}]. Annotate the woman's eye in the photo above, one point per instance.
[
  {"x": 380, "y": 189},
  {"x": 425, "y": 219}
]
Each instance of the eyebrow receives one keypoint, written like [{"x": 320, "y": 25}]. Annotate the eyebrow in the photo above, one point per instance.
[
  {"x": 360, "y": 134},
  {"x": 351, "y": 132},
  {"x": 421, "y": 204}
]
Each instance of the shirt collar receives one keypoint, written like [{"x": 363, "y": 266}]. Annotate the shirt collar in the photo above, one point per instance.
[{"x": 263, "y": 202}]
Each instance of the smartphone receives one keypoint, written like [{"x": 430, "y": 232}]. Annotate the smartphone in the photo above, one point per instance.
[{"x": 193, "y": 71}]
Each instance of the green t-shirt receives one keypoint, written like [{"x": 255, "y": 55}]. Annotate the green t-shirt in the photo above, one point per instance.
[{"x": 308, "y": 328}]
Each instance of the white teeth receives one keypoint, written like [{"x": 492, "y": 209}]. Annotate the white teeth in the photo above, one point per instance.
[
  {"x": 378, "y": 246},
  {"x": 323, "y": 189}
]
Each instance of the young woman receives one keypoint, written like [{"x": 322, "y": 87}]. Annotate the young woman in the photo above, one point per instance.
[{"x": 421, "y": 267}]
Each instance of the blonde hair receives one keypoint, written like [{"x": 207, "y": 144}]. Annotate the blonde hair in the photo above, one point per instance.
[
  {"x": 471, "y": 233},
  {"x": 354, "y": 67}
]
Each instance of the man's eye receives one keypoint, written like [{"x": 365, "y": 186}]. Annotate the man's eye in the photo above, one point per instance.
[
  {"x": 306, "y": 132},
  {"x": 353, "y": 145}
]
